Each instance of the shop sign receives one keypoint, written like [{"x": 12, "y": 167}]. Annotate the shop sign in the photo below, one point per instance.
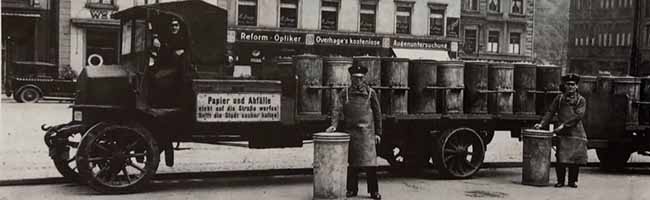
[
  {"x": 238, "y": 107},
  {"x": 270, "y": 37},
  {"x": 344, "y": 40},
  {"x": 100, "y": 13},
  {"x": 418, "y": 44}
]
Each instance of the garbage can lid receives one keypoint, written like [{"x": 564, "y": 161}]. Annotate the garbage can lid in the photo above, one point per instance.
[
  {"x": 537, "y": 133},
  {"x": 331, "y": 137}
]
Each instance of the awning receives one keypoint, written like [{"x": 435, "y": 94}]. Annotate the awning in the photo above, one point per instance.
[
  {"x": 96, "y": 23},
  {"x": 21, "y": 13},
  {"x": 429, "y": 54}
]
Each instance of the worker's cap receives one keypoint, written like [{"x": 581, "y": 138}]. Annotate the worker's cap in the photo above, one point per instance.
[
  {"x": 570, "y": 77},
  {"x": 358, "y": 71}
]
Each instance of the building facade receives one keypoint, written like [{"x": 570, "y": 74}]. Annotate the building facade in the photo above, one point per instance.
[
  {"x": 600, "y": 36},
  {"x": 264, "y": 30},
  {"x": 497, "y": 30}
]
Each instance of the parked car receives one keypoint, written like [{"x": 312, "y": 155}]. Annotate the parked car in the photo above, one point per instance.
[{"x": 31, "y": 81}]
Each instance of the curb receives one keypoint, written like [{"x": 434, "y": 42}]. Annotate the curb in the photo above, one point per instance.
[{"x": 267, "y": 172}]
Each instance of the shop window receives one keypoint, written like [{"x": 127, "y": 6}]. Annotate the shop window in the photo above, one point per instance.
[
  {"x": 470, "y": 41},
  {"x": 494, "y": 5},
  {"x": 368, "y": 16},
  {"x": 515, "y": 43},
  {"x": 517, "y": 6},
  {"x": 403, "y": 17},
  {"x": 289, "y": 13},
  {"x": 102, "y": 43},
  {"x": 329, "y": 15},
  {"x": 471, "y": 5},
  {"x": 247, "y": 15},
  {"x": 437, "y": 19},
  {"x": 493, "y": 41}
]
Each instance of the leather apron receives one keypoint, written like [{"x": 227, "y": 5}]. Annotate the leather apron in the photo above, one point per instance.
[
  {"x": 572, "y": 141},
  {"x": 358, "y": 122}
]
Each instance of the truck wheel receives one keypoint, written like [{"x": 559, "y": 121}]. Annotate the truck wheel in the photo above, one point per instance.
[
  {"x": 64, "y": 160},
  {"x": 613, "y": 158},
  {"x": 29, "y": 95},
  {"x": 458, "y": 153},
  {"x": 118, "y": 158}
]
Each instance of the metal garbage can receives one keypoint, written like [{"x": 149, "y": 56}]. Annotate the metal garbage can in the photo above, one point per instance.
[
  {"x": 536, "y": 157},
  {"x": 330, "y": 165}
]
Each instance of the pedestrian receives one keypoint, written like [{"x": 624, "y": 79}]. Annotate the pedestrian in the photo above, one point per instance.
[
  {"x": 359, "y": 106},
  {"x": 572, "y": 140}
]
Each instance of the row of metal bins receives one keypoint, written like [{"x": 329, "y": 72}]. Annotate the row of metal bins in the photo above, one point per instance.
[
  {"x": 615, "y": 102},
  {"x": 481, "y": 87},
  {"x": 428, "y": 86}
]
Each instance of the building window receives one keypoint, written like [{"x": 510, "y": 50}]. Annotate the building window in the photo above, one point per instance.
[
  {"x": 471, "y": 5},
  {"x": 403, "y": 18},
  {"x": 578, "y": 4},
  {"x": 515, "y": 43},
  {"x": 108, "y": 2},
  {"x": 368, "y": 16},
  {"x": 437, "y": 20},
  {"x": 647, "y": 35},
  {"x": 329, "y": 15},
  {"x": 145, "y": 2},
  {"x": 247, "y": 15},
  {"x": 647, "y": 8},
  {"x": 493, "y": 41},
  {"x": 629, "y": 39},
  {"x": 494, "y": 5},
  {"x": 103, "y": 43},
  {"x": 289, "y": 13},
  {"x": 600, "y": 39},
  {"x": 518, "y": 6},
  {"x": 470, "y": 41},
  {"x": 609, "y": 38}
]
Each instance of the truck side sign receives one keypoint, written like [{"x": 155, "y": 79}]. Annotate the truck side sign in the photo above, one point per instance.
[{"x": 238, "y": 107}]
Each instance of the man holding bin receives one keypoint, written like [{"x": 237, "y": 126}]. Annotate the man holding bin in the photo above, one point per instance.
[
  {"x": 572, "y": 140},
  {"x": 361, "y": 112}
]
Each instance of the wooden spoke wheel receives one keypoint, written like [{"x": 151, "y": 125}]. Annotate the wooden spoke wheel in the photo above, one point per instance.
[
  {"x": 29, "y": 95},
  {"x": 64, "y": 158},
  {"x": 118, "y": 158},
  {"x": 459, "y": 153}
]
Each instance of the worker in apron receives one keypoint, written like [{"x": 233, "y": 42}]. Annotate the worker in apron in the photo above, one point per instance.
[
  {"x": 361, "y": 114},
  {"x": 572, "y": 140}
]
